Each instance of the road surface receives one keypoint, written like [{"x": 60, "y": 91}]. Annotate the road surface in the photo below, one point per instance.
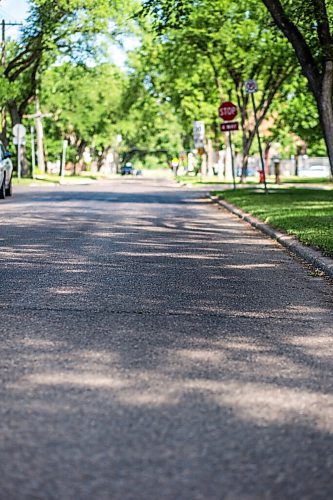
[{"x": 156, "y": 347}]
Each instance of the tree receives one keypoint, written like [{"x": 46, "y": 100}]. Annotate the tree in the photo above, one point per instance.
[
  {"x": 65, "y": 29},
  {"x": 150, "y": 123},
  {"x": 296, "y": 118},
  {"x": 84, "y": 104},
  {"x": 233, "y": 41},
  {"x": 92, "y": 106},
  {"x": 308, "y": 24}
]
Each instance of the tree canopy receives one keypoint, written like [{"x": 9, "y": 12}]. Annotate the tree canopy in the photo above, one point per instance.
[{"x": 188, "y": 57}]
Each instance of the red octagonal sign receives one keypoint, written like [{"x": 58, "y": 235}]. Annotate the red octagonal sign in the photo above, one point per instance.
[{"x": 227, "y": 111}]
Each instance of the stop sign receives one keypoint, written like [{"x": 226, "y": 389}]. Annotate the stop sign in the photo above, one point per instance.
[{"x": 227, "y": 111}]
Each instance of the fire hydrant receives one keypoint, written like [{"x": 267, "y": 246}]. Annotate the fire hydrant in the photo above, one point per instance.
[{"x": 261, "y": 176}]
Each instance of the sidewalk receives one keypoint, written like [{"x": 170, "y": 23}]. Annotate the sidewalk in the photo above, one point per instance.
[{"x": 313, "y": 257}]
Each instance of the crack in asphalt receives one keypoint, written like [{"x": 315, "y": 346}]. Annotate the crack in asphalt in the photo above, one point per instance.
[
  {"x": 133, "y": 312},
  {"x": 110, "y": 311}
]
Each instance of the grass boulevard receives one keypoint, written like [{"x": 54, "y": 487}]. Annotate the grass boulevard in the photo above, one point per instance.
[{"x": 303, "y": 212}]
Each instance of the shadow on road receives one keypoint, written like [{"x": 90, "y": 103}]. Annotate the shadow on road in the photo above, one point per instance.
[{"x": 162, "y": 352}]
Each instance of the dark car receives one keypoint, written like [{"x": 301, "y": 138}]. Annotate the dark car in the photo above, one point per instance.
[{"x": 127, "y": 169}]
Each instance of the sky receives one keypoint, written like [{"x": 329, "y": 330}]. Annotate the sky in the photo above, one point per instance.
[
  {"x": 13, "y": 11},
  {"x": 17, "y": 10}
]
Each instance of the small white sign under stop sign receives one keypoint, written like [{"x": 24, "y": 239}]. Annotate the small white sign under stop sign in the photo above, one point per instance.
[
  {"x": 19, "y": 132},
  {"x": 199, "y": 134}
]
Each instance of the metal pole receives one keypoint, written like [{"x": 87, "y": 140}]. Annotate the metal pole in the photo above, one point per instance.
[
  {"x": 3, "y": 43},
  {"x": 18, "y": 155},
  {"x": 63, "y": 159},
  {"x": 3, "y": 62},
  {"x": 232, "y": 161},
  {"x": 259, "y": 143},
  {"x": 33, "y": 153}
]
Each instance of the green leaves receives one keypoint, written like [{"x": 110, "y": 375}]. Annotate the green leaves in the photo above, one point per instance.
[{"x": 84, "y": 103}]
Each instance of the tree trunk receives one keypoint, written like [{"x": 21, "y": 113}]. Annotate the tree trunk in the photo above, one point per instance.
[
  {"x": 17, "y": 118},
  {"x": 79, "y": 164},
  {"x": 39, "y": 137},
  {"x": 102, "y": 158},
  {"x": 320, "y": 77},
  {"x": 247, "y": 143},
  {"x": 25, "y": 172},
  {"x": 14, "y": 113},
  {"x": 244, "y": 167},
  {"x": 3, "y": 134},
  {"x": 325, "y": 108},
  {"x": 267, "y": 157}
]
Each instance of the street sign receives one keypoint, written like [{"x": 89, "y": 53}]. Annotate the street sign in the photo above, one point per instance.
[
  {"x": 251, "y": 86},
  {"x": 19, "y": 130},
  {"x": 199, "y": 134},
  {"x": 228, "y": 127},
  {"x": 227, "y": 111},
  {"x": 18, "y": 140}
]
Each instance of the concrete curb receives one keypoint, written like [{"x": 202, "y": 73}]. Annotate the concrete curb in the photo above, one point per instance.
[{"x": 313, "y": 257}]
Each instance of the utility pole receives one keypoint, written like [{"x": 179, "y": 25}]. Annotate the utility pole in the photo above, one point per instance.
[
  {"x": 3, "y": 43},
  {"x": 38, "y": 116},
  {"x": 3, "y": 62},
  {"x": 33, "y": 153},
  {"x": 39, "y": 137},
  {"x": 4, "y": 24}
]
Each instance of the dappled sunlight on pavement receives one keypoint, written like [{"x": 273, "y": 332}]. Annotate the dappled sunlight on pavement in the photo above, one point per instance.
[{"x": 154, "y": 347}]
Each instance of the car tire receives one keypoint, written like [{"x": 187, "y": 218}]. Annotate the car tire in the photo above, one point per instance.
[
  {"x": 9, "y": 189},
  {"x": 3, "y": 189}
]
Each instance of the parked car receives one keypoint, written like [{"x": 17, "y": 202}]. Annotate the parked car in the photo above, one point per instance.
[
  {"x": 6, "y": 172},
  {"x": 127, "y": 169}
]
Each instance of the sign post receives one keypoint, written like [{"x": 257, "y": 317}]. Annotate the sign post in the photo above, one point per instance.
[
  {"x": 199, "y": 135},
  {"x": 228, "y": 111},
  {"x": 199, "y": 141},
  {"x": 33, "y": 152},
  {"x": 19, "y": 140},
  {"x": 232, "y": 161},
  {"x": 63, "y": 158},
  {"x": 251, "y": 87}
]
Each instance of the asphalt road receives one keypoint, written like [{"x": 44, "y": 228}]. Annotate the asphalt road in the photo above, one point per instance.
[{"x": 156, "y": 347}]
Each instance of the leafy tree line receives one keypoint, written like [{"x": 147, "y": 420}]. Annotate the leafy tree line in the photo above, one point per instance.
[
  {"x": 191, "y": 56},
  {"x": 295, "y": 38},
  {"x": 60, "y": 68},
  {"x": 221, "y": 44},
  {"x": 95, "y": 107}
]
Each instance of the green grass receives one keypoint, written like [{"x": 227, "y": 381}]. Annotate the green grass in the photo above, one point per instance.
[
  {"x": 41, "y": 179},
  {"x": 26, "y": 181},
  {"x": 209, "y": 181},
  {"x": 304, "y": 213},
  {"x": 306, "y": 180}
]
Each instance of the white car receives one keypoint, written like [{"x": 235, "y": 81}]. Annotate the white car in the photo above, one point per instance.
[{"x": 6, "y": 171}]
